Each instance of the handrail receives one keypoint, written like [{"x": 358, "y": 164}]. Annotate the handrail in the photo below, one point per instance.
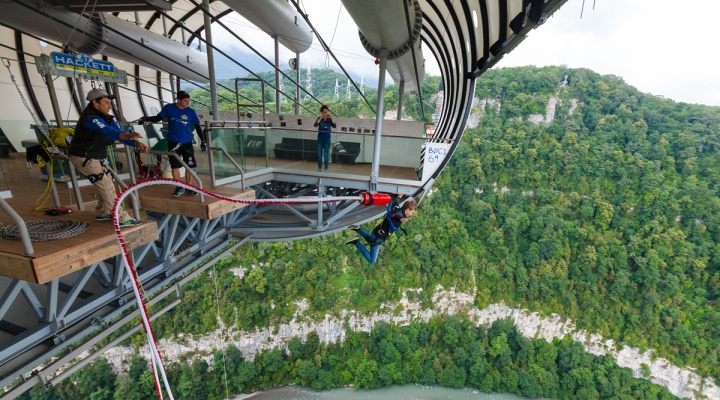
[
  {"x": 133, "y": 197},
  {"x": 232, "y": 160},
  {"x": 22, "y": 228},
  {"x": 222, "y": 125},
  {"x": 187, "y": 169},
  {"x": 237, "y": 93},
  {"x": 74, "y": 180}
]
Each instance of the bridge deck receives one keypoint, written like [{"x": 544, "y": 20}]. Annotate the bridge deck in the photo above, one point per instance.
[{"x": 56, "y": 258}]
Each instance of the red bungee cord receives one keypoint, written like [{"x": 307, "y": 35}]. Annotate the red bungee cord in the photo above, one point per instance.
[{"x": 370, "y": 199}]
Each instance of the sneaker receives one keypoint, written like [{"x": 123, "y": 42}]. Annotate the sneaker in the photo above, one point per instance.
[
  {"x": 353, "y": 241},
  {"x": 131, "y": 222},
  {"x": 319, "y": 170},
  {"x": 354, "y": 227},
  {"x": 178, "y": 192},
  {"x": 104, "y": 218},
  {"x": 191, "y": 192}
]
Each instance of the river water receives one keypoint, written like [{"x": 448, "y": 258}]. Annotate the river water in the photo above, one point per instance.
[{"x": 395, "y": 392}]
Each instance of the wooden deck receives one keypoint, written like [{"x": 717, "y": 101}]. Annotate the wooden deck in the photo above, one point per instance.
[
  {"x": 159, "y": 198},
  {"x": 56, "y": 258}
]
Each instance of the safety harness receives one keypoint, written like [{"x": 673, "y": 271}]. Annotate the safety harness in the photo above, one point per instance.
[{"x": 382, "y": 234}]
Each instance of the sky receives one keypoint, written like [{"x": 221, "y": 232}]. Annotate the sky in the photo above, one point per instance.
[{"x": 658, "y": 46}]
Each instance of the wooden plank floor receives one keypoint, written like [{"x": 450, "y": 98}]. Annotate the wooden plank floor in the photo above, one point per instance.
[
  {"x": 56, "y": 258},
  {"x": 159, "y": 198}
]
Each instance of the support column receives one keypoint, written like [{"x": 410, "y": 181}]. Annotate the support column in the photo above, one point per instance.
[
  {"x": 53, "y": 100},
  {"x": 401, "y": 92},
  {"x": 81, "y": 91},
  {"x": 59, "y": 122},
  {"x": 128, "y": 154},
  {"x": 277, "y": 74},
  {"x": 297, "y": 79},
  {"x": 211, "y": 61},
  {"x": 378, "y": 121}
]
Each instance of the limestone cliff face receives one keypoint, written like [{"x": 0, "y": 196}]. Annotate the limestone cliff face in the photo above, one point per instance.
[
  {"x": 682, "y": 382},
  {"x": 480, "y": 107}
]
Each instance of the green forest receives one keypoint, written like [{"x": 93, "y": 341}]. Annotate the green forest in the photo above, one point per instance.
[
  {"x": 611, "y": 218},
  {"x": 449, "y": 351},
  {"x": 608, "y": 215}
]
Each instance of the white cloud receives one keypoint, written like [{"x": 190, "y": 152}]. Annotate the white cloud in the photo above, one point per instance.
[{"x": 658, "y": 46}]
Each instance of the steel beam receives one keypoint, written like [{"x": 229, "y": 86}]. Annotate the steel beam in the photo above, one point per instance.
[
  {"x": 375, "y": 174},
  {"x": 211, "y": 60}
]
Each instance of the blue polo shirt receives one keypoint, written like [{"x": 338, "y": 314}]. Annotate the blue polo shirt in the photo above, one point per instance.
[{"x": 180, "y": 122}]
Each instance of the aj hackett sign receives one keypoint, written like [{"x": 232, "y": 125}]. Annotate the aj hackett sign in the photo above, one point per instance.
[{"x": 82, "y": 63}]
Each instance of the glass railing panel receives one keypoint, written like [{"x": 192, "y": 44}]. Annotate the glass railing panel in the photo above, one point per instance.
[
  {"x": 351, "y": 153},
  {"x": 400, "y": 157},
  {"x": 291, "y": 149},
  {"x": 229, "y": 139}
]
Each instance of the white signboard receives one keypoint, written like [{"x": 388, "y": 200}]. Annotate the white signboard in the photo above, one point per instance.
[{"x": 435, "y": 154}]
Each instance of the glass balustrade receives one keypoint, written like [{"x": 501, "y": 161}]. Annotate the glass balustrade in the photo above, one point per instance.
[
  {"x": 253, "y": 149},
  {"x": 294, "y": 150}
]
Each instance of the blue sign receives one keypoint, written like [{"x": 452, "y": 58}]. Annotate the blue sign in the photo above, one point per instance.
[{"x": 82, "y": 63}]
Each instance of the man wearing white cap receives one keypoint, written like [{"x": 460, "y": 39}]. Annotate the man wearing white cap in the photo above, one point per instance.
[{"x": 96, "y": 130}]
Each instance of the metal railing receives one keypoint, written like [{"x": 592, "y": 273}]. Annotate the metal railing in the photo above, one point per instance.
[
  {"x": 187, "y": 169},
  {"x": 237, "y": 96},
  {"x": 208, "y": 129},
  {"x": 232, "y": 160},
  {"x": 22, "y": 228}
]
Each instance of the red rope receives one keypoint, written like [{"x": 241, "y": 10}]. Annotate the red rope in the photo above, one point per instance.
[{"x": 156, "y": 357}]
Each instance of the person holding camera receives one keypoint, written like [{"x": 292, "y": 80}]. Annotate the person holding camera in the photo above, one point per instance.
[{"x": 325, "y": 123}]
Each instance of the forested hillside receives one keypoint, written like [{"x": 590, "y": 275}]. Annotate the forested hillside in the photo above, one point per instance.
[
  {"x": 450, "y": 352},
  {"x": 610, "y": 217},
  {"x": 607, "y": 215},
  {"x": 622, "y": 231}
]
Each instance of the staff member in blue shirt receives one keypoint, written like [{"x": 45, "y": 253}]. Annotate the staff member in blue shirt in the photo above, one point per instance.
[
  {"x": 181, "y": 119},
  {"x": 325, "y": 123},
  {"x": 96, "y": 130}
]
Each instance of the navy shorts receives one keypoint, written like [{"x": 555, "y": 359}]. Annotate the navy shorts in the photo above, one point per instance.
[{"x": 185, "y": 151}]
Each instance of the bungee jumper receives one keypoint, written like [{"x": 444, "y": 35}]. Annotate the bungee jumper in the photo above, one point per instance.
[
  {"x": 158, "y": 369},
  {"x": 392, "y": 222}
]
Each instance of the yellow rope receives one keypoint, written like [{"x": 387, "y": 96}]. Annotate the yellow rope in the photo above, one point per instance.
[
  {"x": 58, "y": 138},
  {"x": 40, "y": 208}
]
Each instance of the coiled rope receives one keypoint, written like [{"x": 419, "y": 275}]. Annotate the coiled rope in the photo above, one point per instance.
[
  {"x": 155, "y": 357},
  {"x": 45, "y": 229}
]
